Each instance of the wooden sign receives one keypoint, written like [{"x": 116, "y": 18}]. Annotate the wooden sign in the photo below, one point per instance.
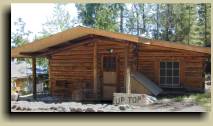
[{"x": 132, "y": 99}]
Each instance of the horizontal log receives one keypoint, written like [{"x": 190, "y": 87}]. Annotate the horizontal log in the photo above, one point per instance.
[
  {"x": 193, "y": 74},
  {"x": 71, "y": 73},
  {"x": 64, "y": 57},
  {"x": 72, "y": 61},
  {"x": 76, "y": 53},
  {"x": 67, "y": 65},
  {"x": 73, "y": 78},
  {"x": 194, "y": 69}
]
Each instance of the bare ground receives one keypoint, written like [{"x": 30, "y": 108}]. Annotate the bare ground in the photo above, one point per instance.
[{"x": 163, "y": 105}]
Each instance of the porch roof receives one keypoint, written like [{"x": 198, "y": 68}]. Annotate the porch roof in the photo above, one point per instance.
[{"x": 77, "y": 32}]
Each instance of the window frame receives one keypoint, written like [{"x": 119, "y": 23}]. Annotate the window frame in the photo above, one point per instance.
[
  {"x": 166, "y": 76},
  {"x": 112, "y": 66}
]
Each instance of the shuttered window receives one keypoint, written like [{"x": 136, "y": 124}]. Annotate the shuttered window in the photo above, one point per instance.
[{"x": 169, "y": 74}]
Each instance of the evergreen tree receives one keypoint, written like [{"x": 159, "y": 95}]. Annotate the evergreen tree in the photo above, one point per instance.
[
  {"x": 106, "y": 18},
  {"x": 60, "y": 20},
  {"x": 203, "y": 24},
  {"x": 137, "y": 21},
  {"x": 20, "y": 36},
  {"x": 102, "y": 16},
  {"x": 193, "y": 26},
  {"x": 87, "y": 13}
]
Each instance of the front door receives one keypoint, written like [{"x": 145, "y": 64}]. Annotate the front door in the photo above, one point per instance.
[{"x": 109, "y": 82}]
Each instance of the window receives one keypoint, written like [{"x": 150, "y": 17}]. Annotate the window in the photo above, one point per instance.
[
  {"x": 169, "y": 74},
  {"x": 109, "y": 63}
]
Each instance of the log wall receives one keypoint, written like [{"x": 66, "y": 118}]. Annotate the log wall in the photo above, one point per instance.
[
  {"x": 191, "y": 65},
  {"x": 71, "y": 71}
]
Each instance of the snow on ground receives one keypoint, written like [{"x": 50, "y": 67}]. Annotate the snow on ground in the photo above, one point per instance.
[{"x": 163, "y": 105}]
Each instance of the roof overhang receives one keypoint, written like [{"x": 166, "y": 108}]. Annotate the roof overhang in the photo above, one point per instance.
[{"x": 77, "y": 33}]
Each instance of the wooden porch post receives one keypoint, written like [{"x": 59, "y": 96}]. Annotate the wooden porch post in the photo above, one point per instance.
[
  {"x": 95, "y": 68},
  {"x": 34, "y": 76},
  {"x": 49, "y": 77},
  {"x": 127, "y": 71}
]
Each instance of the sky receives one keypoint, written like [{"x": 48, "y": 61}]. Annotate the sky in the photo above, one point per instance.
[{"x": 34, "y": 15}]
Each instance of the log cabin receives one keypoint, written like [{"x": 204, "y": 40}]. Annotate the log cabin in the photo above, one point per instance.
[{"x": 92, "y": 64}]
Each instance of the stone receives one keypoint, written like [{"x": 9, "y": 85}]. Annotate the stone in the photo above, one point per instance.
[
  {"x": 123, "y": 107},
  {"x": 79, "y": 110},
  {"x": 100, "y": 110},
  {"x": 72, "y": 110},
  {"x": 13, "y": 107},
  {"x": 53, "y": 108},
  {"x": 61, "y": 109},
  {"x": 14, "y": 97},
  {"x": 18, "y": 108},
  {"x": 89, "y": 110}
]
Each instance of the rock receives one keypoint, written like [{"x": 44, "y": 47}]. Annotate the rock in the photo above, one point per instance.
[
  {"x": 29, "y": 109},
  {"x": 89, "y": 110},
  {"x": 14, "y": 97},
  {"x": 100, "y": 111},
  {"x": 18, "y": 108},
  {"x": 13, "y": 107},
  {"x": 123, "y": 107},
  {"x": 79, "y": 110},
  {"x": 149, "y": 99},
  {"x": 61, "y": 109},
  {"x": 72, "y": 110},
  {"x": 24, "y": 108},
  {"x": 53, "y": 108}
]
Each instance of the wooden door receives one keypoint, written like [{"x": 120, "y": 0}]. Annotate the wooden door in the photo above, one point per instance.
[{"x": 109, "y": 80}]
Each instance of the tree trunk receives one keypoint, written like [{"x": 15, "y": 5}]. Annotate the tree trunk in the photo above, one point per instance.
[
  {"x": 143, "y": 18},
  {"x": 157, "y": 35},
  {"x": 189, "y": 22},
  {"x": 121, "y": 18}
]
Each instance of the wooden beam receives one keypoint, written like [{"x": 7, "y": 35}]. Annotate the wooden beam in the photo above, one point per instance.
[
  {"x": 34, "y": 77},
  {"x": 68, "y": 44},
  {"x": 95, "y": 67},
  {"x": 176, "y": 45},
  {"x": 49, "y": 76},
  {"x": 127, "y": 71},
  {"x": 58, "y": 48}
]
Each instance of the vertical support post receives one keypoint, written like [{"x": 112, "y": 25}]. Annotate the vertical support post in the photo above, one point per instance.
[
  {"x": 127, "y": 71},
  {"x": 49, "y": 78},
  {"x": 95, "y": 68},
  {"x": 34, "y": 77}
]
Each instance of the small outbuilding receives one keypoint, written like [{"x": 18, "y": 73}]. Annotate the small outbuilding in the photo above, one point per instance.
[
  {"x": 21, "y": 78},
  {"x": 92, "y": 64}
]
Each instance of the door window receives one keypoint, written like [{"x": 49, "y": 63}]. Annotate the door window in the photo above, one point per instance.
[{"x": 109, "y": 63}]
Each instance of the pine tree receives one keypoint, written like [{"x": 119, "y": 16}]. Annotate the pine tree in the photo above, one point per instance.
[
  {"x": 101, "y": 16},
  {"x": 106, "y": 19},
  {"x": 20, "y": 36},
  {"x": 203, "y": 23},
  {"x": 60, "y": 21}
]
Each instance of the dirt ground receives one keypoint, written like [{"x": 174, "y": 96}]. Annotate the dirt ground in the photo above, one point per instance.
[
  {"x": 163, "y": 105},
  {"x": 51, "y": 104}
]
